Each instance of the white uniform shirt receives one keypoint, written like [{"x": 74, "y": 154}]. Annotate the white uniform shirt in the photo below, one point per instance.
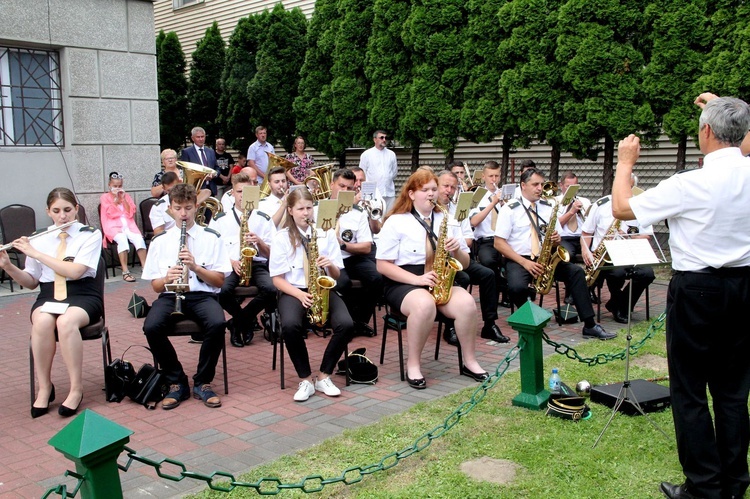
[
  {"x": 205, "y": 246},
  {"x": 257, "y": 152},
  {"x": 289, "y": 262},
  {"x": 600, "y": 219},
  {"x": 706, "y": 210},
  {"x": 354, "y": 227},
  {"x": 84, "y": 245},
  {"x": 514, "y": 224},
  {"x": 158, "y": 214},
  {"x": 484, "y": 229},
  {"x": 562, "y": 209},
  {"x": 261, "y": 225},
  {"x": 227, "y": 201},
  {"x": 269, "y": 204},
  {"x": 380, "y": 166},
  {"x": 228, "y": 225},
  {"x": 402, "y": 238}
]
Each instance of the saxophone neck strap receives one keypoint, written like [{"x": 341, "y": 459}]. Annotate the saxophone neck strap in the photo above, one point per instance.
[
  {"x": 428, "y": 228},
  {"x": 535, "y": 224},
  {"x": 234, "y": 212}
]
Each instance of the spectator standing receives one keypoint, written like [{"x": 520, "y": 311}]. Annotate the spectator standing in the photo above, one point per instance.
[
  {"x": 256, "y": 153},
  {"x": 304, "y": 162},
  {"x": 380, "y": 165}
]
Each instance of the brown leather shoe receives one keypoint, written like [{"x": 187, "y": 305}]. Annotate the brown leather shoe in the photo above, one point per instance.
[{"x": 177, "y": 393}]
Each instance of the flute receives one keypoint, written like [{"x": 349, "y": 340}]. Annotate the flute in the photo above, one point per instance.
[{"x": 8, "y": 246}]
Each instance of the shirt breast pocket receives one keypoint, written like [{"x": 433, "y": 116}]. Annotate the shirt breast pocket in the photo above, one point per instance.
[{"x": 412, "y": 247}]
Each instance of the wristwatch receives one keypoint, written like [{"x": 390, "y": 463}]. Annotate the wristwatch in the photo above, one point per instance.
[{"x": 343, "y": 246}]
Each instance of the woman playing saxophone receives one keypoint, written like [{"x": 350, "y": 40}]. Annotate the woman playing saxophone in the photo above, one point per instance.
[
  {"x": 290, "y": 272},
  {"x": 404, "y": 257}
]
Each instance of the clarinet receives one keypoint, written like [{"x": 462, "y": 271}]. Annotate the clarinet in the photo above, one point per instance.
[{"x": 180, "y": 286}]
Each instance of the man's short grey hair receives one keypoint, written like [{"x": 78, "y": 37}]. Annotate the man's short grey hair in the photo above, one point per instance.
[
  {"x": 196, "y": 130},
  {"x": 729, "y": 119}
]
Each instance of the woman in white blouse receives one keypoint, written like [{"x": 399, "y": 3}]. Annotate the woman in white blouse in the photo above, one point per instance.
[
  {"x": 287, "y": 268},
  {"x": 401, "y": 257},
  {"x": 64, "y": 263}
]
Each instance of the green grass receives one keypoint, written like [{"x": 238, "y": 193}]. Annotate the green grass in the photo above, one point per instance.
[{"x": 555, "y": 456}]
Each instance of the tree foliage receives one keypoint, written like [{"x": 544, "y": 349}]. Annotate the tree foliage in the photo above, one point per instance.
[
  {"x": 273, "y": 88},
  {"x": 432, "y": 99},
  {"x": 204, "y": 88},
  {"x": 239, "y": 68},
  {"x": 173, "y": 85},
  {"x": 313, "y": 104}
]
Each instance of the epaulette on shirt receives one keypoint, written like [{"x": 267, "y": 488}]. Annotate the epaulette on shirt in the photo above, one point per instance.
[
  {"x": 87, "y": 228},
  {"x": 216, "y": 233},
  {"x": 514, "y": 204},
  {"x": 602, "y": 201},
  {"x": 219, "y": 215},
  {"x": 264, "y": 215},
  {"x": 357, "y": 207},
  {"x": 159, "y": 235},
  {"x": 544, "y": 201},
  {"x": 161, "y": 201},
  {"x": 315, "y": 203}
]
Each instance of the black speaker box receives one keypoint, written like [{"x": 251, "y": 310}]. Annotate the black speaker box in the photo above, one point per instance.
[{"x": 650, "y": 396}]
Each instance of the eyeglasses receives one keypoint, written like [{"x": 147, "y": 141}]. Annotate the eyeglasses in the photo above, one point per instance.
[
  {"x": 383, "y": 137},
  {"x": 115, "y": 176},
  {"x": 171, "y": 158}
]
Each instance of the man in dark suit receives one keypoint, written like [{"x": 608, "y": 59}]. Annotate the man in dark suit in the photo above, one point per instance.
[{"x": 202, "y": 155}]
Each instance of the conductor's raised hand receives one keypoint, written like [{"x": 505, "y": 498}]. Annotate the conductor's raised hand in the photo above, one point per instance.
[
  {"x": 703, "y": 99},
  {"x": 628, "y": 150}
]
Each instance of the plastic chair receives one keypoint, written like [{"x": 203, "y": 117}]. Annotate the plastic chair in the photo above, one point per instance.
[
  {"x": 93, "y": 331},
  {"x": 145, "y": 208},
  {"x": 16, "y": 220}
]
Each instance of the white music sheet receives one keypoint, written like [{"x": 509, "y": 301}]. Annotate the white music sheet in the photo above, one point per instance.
[{"x": 627, "y": 252}]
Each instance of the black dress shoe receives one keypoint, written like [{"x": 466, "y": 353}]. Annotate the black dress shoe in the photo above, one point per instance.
[
  {"x": 419, "y": 383},
  {"x": 673, "y": 491},
  {"x": 66, "y": 412},
  {"x": 247, "y": 336},
  {"x": 362, "y": 329},
  {"x": 449, "y": 335},
  {"x": 505, "y": 303},
  {"x": 236, "y": 339},
  {"x": 41, "y": 411},
  {"x": 493, "y": 333},
  {"x": 594, "y": 298},
  {"x": 475, "y": 376},
  {"x": 616, "y": 314},
  {"x": 597, "y": 332}
]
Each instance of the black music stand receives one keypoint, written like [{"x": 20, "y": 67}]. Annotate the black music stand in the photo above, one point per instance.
[{"x": 628, "y": 253}]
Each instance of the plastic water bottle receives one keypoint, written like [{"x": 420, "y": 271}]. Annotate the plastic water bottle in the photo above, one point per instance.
[{"x": 554, "y": 381}]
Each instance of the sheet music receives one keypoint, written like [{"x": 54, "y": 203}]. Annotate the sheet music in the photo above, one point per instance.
[
  {"x": 368, "y": 189},
  {"x": 628, "y": 252},
  {"x": 464, "y": 205}
]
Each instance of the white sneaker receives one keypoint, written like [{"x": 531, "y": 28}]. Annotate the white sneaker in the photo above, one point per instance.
[
  {"x": 306, "y": 389},
  {"x": 326, "y": 386}
]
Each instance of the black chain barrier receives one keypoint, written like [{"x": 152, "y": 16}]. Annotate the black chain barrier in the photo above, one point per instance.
[{"x": 603, "y": 358}]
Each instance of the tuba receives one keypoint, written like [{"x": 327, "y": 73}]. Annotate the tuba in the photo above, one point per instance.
[
  {"x": 599, "y": 255},
  {"x": 319, "y": 286},
  {"x": 548, "y": 258},
  {"x": 196, "y": 175},
  {"x": 444, "y": 265},
  {"x": 319, "y": 181},
  {"x": 273, "y": 162}
]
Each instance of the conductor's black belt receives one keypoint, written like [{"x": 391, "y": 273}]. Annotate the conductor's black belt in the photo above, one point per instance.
[
  {"x": 485, "y": 239},
  {"x": 720, "y": 272}
]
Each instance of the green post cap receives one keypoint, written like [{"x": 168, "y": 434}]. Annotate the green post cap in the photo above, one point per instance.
[{"x": 530, "y": 320}]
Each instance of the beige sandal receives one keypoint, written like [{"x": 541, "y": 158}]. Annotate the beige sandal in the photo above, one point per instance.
[{"x": 128, "y": 277}]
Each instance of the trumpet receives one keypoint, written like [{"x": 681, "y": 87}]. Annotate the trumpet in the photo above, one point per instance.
[
  {"x": 8, "y": 246},
  {"x": 375, "y": 208}
]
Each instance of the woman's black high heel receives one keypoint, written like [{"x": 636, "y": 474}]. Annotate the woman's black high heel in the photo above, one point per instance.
[
  {"x": 66, "y": 412},
  {"x": 41, "y": 411}
]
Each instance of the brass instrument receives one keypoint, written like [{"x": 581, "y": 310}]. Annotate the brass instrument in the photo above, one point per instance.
[
  {"x": 273, "y": 162},
  {"x": 196, "y": 175},
  {"x": 247, "y": 251},
  {"x": 375, "y": 208},
  {"x": 181, "y": 286},
  {"x": 319, "y": 286},
  {"x": 319, "y": 181},
  {"x": 547, "y": 258},
  {"x": 8, "y": 246},
  {"x": 599, "y": 255},
  {"x": 444, "y": 265}
]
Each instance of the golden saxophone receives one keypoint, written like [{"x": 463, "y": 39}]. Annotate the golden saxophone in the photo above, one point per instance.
[
  {"x": 319, "y": 285},
  {"x": 247, "y": 251},
  {"x": 181, "y": 285},
  {"x": 599, "y": 255},
  {"x": 444, "y": 265},
  {"x": 547, "y": 258}
]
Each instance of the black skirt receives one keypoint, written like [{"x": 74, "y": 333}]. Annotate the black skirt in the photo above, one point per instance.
[
  {"x": 81, "y": 293},
  {"x": 395, "y": 292}
]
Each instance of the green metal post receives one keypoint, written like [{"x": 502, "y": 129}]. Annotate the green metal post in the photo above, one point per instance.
[
  {"x": 529, "y": 321},
  {"x": 94, "y": 443}
]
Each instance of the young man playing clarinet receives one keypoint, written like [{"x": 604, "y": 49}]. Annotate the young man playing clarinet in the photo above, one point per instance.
[{"x": 186, "y": 253}]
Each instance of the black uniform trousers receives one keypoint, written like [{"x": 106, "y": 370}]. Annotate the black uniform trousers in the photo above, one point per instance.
[
  {"x": 200, "y": 306},
  {"x": 488, "y": 255},
  {"x": 572, "y": 244},
  {"x": 293, "y": 318},
  {"x": 481, "y": 276},
  {"x": 361, "y": 302},
  {"x": 616, "y": 278},
  {"x": 708, "y": 345},
  {"x": 266, "y": 298},
  {"x": 571, "y": 274}
]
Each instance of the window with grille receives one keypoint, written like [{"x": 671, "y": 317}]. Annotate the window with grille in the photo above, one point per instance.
[
  {"x": 30, "y": 98},
  {"x": 176, "y": 4}
]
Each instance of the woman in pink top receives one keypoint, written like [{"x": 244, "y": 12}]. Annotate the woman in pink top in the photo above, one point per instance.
[{"x": 118, "y": 224}]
